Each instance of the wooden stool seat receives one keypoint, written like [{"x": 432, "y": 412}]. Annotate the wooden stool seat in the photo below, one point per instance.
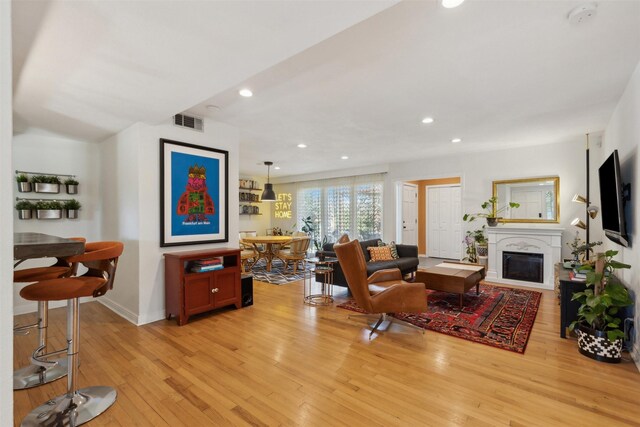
[{"x": 62, "y": 289}]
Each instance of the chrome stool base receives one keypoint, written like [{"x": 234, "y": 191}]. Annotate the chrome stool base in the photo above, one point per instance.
[
  {"x": 83, "y": 405},
  {"x": 34, "y": 375}
]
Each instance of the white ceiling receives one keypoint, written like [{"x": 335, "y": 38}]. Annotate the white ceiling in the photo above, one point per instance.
[{"x": 346, "y": 78}]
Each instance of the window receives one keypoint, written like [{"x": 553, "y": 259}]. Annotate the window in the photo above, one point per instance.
[{"x": 350, "y": 206}]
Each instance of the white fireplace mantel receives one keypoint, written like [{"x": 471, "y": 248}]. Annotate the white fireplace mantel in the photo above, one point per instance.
[{"x": 534, "y": 240}]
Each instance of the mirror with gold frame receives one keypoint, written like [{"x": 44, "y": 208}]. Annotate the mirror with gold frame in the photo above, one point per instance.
[{"x": 539, "y": 199}]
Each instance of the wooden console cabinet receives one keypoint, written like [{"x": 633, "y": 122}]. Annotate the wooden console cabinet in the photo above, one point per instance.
[{"x": 188, "y": 293}]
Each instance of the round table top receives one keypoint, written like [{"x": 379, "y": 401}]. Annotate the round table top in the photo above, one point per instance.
[{"x": 267, "y": 239}]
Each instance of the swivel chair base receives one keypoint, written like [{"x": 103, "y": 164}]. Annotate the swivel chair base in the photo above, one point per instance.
[
  {"x": 65, "y": 410},
  {"x": 34, "y": 375}
]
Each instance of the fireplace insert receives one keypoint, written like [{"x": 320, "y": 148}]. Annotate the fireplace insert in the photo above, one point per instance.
[{"x": 523, "y": 266}]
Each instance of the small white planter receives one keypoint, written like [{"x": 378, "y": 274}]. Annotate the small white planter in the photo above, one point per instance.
[
  {"x": 49, "y": 213},
  {"x": 47, "y": 188}
]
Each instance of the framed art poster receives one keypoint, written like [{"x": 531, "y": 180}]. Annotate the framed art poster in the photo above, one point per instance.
[{"x": 193, "y": 194}]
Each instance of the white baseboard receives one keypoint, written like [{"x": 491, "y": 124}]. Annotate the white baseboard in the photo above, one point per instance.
[
  {"x": 121, "y": 311},
  {"x": 151, "y": 317},
  {"x": 32, "y": 307},
  {"x": 635, "y": 355}
]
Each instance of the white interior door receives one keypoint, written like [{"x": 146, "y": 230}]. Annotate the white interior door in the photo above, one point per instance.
[
  {"x": 409, "y": 214},
  {"x": 444, "y": 222}
]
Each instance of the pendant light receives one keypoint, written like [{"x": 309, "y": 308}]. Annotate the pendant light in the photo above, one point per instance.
[{"x": 268, "y": 195}]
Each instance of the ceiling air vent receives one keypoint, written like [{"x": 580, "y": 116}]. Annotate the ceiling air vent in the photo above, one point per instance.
[{"x": 190, "y": 122}]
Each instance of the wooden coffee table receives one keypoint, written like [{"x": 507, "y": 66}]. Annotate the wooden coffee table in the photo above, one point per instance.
[{"x": 452, "y": 277}]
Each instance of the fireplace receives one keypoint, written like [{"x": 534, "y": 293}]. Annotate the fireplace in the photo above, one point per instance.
[
  {"x": 523, "y": 266},
  {"x": 532, "y": 251}
]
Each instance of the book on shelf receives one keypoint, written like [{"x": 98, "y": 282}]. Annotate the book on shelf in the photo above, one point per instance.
[
  {"x": 577, "y": 277},
  {"x": 205, "y": 268},
  {"x": 208, "y": 261}
]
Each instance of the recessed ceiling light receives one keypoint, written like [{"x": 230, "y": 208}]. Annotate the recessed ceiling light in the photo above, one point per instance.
[
  {"x": 302, "y": 145},
  {"x": 246, "y": 93},
  {"x": 277, "y": 167},
  {"x": 427, "y": 120},
  {"x": 456, "y": 140},
  {"x": 449, "y": 4},
  {"x": 344, "y": 157}
]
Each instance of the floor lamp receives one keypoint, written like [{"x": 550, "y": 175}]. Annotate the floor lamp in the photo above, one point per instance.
[{"x": 591, "y": 210}]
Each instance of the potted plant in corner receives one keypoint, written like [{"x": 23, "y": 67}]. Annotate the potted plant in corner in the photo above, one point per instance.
[
  {"x": 72, "y": 207},
  {"x": 48, "y": 210},
  {"x": 24, "y": 208},
  {"x": 72, "y": 186},
  {"x": 598, "y": 326},
  {"x": 24, "y": 186},
  {"x": 46, "y": 184},
  {"x": 491, "y": 211}
]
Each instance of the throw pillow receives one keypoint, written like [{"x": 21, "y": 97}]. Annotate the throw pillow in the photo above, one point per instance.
[
  {"x": 392, "y": 246},
  {"x": 380, "y": 253}
]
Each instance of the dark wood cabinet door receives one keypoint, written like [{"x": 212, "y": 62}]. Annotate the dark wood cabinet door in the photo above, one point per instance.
[
  {"x": 226, "y": 282},
  {"x": 197, "y": 293}
]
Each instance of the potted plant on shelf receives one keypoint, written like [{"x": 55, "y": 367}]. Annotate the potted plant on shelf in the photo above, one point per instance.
[
  {"x": 24, "y": 186},
  {"x": 72, "y": 186},
  {"x": 598, "y": 325},
  {"x": 476, "y": 245},
  {"x": 579, "y": 250},
  {"x": 24, "y": 208},
  {"x": 48, "y": 210},
  {"x": 46, "y": 184},
  {"x": 72, "y": 207},
  {"x": 491, "y": 211}
]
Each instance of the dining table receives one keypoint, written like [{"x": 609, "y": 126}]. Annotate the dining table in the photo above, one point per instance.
[
  {"x": 29, "y": 245},
  {"x": 270, "y": 248}
]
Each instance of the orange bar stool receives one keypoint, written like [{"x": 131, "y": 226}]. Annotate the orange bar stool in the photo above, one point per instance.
[
  {"x": 40, "y": 372},
  {"x": 76, "y": 406}
]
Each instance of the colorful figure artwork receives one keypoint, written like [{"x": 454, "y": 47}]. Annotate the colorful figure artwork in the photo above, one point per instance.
[{"x": 196, "y": 203}]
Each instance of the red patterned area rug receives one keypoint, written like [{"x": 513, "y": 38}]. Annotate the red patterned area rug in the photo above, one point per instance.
[{"x": 500, "y": 317}]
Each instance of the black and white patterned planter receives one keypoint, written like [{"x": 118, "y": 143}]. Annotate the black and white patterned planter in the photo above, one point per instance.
[{"x": 595, "y": 345}]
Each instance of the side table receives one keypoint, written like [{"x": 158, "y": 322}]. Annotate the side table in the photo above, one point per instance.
[{"x": 323, "y": 268}]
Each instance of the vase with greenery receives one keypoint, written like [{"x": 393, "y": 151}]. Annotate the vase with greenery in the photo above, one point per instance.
[
  {"x": 46, "y": 183},
  {"x": 476, "y": 245},
  {"x": 72, "y": 207},
  {"x": 491, "y": 211},
  {"x": 71, "y": 185},
  {"x": 48, "y": 210},
  {"x": 598, "y": 326},
  {"x": 24, "y": 186},
  {"x": 579, "y": 250},
  {"x": 24, "y": 208}
]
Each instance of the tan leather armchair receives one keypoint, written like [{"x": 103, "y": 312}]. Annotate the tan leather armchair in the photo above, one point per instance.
[{"x": 384, "y": 292}]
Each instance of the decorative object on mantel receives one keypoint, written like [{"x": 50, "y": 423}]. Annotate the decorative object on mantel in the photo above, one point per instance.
[
  {"x": 24, "y": 186},
  {"x": 491, "y": 211},
  {"x": 598, "y": 325},
  {"x": 268, "y": 195},
  {"x": 499, "y": 316},
  {"x": 24, "y": 208},
  {"x": 72, "y": 185}
]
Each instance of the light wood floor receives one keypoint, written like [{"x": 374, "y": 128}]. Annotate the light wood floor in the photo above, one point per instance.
[{"x": 280, "y": 362}]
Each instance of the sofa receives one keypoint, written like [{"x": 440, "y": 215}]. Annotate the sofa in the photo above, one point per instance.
[{"x": 407, "y": 261}]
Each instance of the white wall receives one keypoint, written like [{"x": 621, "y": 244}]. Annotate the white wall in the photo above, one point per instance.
[
  {"x": 38, "y": 151},
  {"x": 134, "y": 217},
  {"x": 478, "y": 170},
  {"x": 623, "y": 133},
  {"x": 6, "y": 219}
]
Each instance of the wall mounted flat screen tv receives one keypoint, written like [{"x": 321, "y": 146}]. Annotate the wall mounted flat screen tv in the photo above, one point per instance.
[{"x": 611, "y": 200}]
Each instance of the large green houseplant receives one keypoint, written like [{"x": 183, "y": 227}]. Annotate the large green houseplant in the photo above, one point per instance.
[
  {"x": 599, "y": 325},
  {"x": 491, "y": 211}
]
